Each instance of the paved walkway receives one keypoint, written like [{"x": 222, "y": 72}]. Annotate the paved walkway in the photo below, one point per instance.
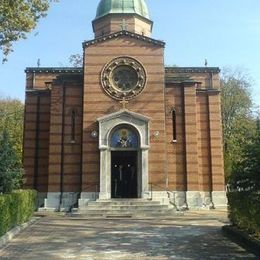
[{"x": 193, "y": 236}]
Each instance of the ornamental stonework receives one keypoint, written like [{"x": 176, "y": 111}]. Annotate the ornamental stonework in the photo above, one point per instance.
[{"x": 123, "y": 78}]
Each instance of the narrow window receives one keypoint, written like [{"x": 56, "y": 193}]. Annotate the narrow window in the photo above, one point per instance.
[
  {"x": 174, "y": 135},
  {"x": 73, "y": 125}
]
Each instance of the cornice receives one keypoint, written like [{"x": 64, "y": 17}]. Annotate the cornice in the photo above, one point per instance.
[
  {"x": 109, "y": 15},
  {"x": 123, "y": 33},
  {"x": 214, "y": 70},
  {"x": 54, "y": 70},
  {"x": 208, "y": 91},
  {"x": 37, "y": 92}
]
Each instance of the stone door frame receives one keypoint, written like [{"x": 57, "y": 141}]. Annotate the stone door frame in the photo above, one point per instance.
[{"x": 107, "y": 124}]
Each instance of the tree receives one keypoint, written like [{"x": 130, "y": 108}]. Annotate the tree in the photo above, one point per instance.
[
  {"x": 244, "y": 188},
  {"x": 10, "y": 169},
  {"x": 17, "y": 18},
  {"x": 246, "y": 173},
  {"x": 238, "y": 122},
  {"x": 76, "y": 60},
  {"x": 11, "y": 120}
]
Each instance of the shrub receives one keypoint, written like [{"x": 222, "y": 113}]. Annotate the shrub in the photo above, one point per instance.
[
  {"x": 10, "y": 168},
  {"x": 244, "y": 211},
  {"x": 244, "y": 188},
  {"x": 16, "y": 208}
]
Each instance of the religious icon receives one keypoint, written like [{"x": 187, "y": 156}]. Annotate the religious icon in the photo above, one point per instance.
[{"x": 124, "y": 138}]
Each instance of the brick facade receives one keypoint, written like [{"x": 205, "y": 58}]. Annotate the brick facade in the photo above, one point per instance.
[{"x": 183, "y": 106}]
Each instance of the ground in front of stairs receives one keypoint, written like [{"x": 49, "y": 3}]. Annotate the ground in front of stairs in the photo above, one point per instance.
[{"x": 195, "y": 235}]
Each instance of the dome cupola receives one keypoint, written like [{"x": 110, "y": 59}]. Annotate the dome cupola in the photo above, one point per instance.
[
  {"x": 138, "y": 7},
  {"x": 116, "y": 15}
]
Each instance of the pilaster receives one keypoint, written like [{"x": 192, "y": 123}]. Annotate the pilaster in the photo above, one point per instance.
[
  {"x": 190, "y": 134},
  {"x": 55, "y": 145},
  {"x": 216, "y": 144}
]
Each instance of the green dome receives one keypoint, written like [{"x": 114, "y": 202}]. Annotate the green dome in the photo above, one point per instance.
[{"x": 122, "y": 7}]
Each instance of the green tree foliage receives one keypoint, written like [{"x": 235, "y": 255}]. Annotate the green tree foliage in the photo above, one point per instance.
[
  {"x": 10, "y": 167},
  {"x": 17, "y": 18},
  {"x": 16, "y": 208},
  {"x": 11, "y": 120},
  {"x": 246, "y": 173},
  {"x": 76, "y": 60},
  {"x": 238, "y": 122},
  {"x": 244, "y": 188}
]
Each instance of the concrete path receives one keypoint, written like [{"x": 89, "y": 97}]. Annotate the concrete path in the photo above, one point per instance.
[{"x": 195, "y": 235}]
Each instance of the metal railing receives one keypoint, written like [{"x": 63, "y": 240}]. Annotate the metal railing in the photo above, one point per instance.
[
  {"x": 170, "y": 194},
  {"x": 96, "y": 190}
]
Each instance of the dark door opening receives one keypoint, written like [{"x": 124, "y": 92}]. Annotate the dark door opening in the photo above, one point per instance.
[{"x": 124, "y": 174}]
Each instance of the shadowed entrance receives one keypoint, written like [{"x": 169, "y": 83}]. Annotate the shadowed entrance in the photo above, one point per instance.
[
  {"x": 124, "y": 158},
  {"x": 124, "y": 174}
]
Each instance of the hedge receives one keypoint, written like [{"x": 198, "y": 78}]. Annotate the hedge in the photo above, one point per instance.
[
  {"x": 244, "y": 211},
  {"x": 16, "y": 208}
]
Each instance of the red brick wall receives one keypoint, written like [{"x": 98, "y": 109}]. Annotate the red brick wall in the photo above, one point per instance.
[{"x": 149, "y": 103}]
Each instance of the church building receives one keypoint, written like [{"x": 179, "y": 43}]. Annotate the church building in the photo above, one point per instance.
[{"x": 124, "y": 126}]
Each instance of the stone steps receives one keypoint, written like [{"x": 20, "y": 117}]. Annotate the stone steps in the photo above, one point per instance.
[
  {"x": 127, "y": 207},
  {"x": 124, "y": 203},
  {"x": 124, "y": 208}
]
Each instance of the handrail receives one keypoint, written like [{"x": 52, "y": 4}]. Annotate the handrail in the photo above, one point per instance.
[
  {"x": 169, "y": 193},
  {"x": 96, "y": 189}
]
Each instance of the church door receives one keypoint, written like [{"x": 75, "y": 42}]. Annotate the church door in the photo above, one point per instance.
[
  {"x": 124, "y": 174},
  {"x": 124, "y": 145}
]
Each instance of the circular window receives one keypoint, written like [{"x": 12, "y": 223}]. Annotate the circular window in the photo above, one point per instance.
[{"x": 123, "y": 77}]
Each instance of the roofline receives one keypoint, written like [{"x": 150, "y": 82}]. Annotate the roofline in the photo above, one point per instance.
[
  {"x": 215, "y": 70},
  {"x": 123, "y": 33},
  {"x": 54, "y": 70},
  {"x": 80, "y": 69},
  {"x": 117, "y": 14}
]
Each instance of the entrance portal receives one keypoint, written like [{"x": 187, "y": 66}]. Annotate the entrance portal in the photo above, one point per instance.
[{"x": 124, "y": 174}]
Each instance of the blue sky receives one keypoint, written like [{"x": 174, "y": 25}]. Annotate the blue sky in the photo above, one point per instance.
[{"x": 226, "y": 32}]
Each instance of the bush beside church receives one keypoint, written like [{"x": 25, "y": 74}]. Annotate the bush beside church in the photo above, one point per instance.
[
  {"x": 16, "y": 208},
  {"x": 244, "y": 188}
]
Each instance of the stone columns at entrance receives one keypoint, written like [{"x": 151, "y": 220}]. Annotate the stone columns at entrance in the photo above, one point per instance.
[
  {"x": 105, "y": 177},
  {"x": 145, "y": 177}
]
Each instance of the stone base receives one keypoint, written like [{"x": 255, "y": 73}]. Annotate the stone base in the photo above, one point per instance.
[
  {"x": 52, "y": 202},
  {"x": 199, "y": 199},
  {"x": 41, "y": 196},
  {"x": 161, "y": 196},
  {"x": 219, "y": 198},
  {"x": 180, "y": 200},
  {"x": 85, "y": 197}
]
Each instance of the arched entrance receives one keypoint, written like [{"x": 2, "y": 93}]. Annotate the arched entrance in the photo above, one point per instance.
[
  {"x": 125, "y": 146},
  {"x": 126, "y": 149}
]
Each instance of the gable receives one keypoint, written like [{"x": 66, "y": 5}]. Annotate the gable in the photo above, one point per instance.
[{"x": 121, "y": 34}]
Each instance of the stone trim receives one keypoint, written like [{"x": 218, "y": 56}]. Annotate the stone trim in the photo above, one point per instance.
[
  {"x": 121, "y": 112},
  {"x": 54, "y": 70},
  {"x": 215, "y": 70},
  {"x": 80, "y": 70},
  {"x": 123, "y": 33},
  {"x": 106, "y": 125},
  {"x": 52, "y": 202},
  {"x": 208, "y": 91},
  {"x": 97, "y": 19}
]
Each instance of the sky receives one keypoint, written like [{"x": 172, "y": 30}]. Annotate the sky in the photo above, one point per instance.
[{"x": 225, "y": 32}]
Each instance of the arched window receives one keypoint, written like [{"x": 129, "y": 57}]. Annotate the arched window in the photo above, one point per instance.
[
  {"x": 174, "y": 134},
  {"x": 124, "y": 137}
]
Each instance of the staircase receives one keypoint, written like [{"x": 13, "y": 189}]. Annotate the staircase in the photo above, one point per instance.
[{"x": 125, "y": 208}]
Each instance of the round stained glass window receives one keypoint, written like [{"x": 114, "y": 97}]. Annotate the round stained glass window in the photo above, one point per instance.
[{"x": 123, "y": 77}]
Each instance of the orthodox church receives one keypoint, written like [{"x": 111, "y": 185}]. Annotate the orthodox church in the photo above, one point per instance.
[{"x": 124, "y": 126}]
